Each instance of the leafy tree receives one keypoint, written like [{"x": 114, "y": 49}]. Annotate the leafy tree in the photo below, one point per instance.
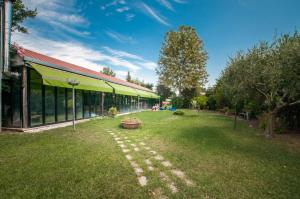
[
  {"x": 211, "y": 102},
  {"x": 163, "y": 91},
  {"x": 177, "y": 102},
  {"x": 182, "y": 60},
  {"x": 269, "y": 72},
  {"x": 108, "y": 71},
  {"x": 201, "y": 101},
  {"x": 128, "y": 77},
  {"x": 19, "y": 14}
]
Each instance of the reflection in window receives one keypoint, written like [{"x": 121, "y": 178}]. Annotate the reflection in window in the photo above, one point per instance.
[
  {"x": 70, "y": 104},
  {"x": 79, "y": 104},
  {"x": 61, "y": 104},
  {"x": 86, "y": 104},
  {"x": 49, "y": 104},
  {"x": 36, "y": 109}
]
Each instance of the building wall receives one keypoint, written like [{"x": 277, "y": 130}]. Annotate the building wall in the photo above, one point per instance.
[{"x": 49, "y": 105}]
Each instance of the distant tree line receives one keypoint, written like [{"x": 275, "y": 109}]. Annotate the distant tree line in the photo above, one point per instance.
[{"x": 138, "y": 82}]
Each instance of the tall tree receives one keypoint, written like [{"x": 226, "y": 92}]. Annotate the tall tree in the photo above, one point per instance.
[
  {"x": 108, "y": 71},
  {"x": 20, "y": 13},
  {"x": 128, "y": 77},
  {"x": 163, "y": 91},
  {"x": 182, "y": 60}
]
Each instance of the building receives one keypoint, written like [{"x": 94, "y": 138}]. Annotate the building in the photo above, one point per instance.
[{"x": 36, "y": 92}]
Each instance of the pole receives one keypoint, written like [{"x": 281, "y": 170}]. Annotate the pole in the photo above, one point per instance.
[
  {"x": 1, "y": 55},
  {"x": 73, "y": 94}
]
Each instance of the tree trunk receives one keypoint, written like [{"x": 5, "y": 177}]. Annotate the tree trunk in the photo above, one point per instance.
[{"x": 271, "y": 124}]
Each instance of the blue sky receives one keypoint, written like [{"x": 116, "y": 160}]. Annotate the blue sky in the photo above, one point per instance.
[{"x": 127, "y": 34}]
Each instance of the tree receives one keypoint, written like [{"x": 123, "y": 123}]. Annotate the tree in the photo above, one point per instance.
[
  {"x": 128, "y": 77},
  {"x": 163, "y": 91},
  {"x": 19, "y": 14},
  {"x": 269, "y": 72},
  {"x": 200, "y": 101},
  {"x": 108, "y": 71},
  {"x": 182, "y": 60}
]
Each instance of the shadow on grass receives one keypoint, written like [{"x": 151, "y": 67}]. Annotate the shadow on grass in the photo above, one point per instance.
[{"x": 226, "y": 141}]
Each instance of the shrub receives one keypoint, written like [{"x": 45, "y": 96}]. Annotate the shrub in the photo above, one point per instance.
[
  {"x": 177, "y": 102},
  {"x": 112, "y": 111},
  {"x": 178, "y": 113}
]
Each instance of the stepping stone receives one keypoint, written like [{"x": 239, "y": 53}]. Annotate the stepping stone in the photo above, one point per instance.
[
  {"x": 134, "y": 164},
  {"x": 136, "y": 149},
  {"x": 158, "y": 157},
  {"x": 126, "y": 150},
  {"x": 117, "y": 138},
  {"x": 128, "y": 141},
  {"x": 125, "y": 137},
  {"x": 120, "y": 142},
  {"x": 129, "y": 157},
  {"x": 170, "y": 184},
  {"x": 142, "y": 143},
  {"x": 134, "y": 145},
  {"x": 153, "y": 152},
  {"x": 122, "y": 146},
  {"x": 138, "y": 170},
  {"x": 181, "y": 175},
  {"x": 112, "y": 133},
  {"x": 142, "y": 180},
  {"x": 148, "y": 162},
  {"x": 166, "y": 163},
  {"x": 147, "y": 148},
  {"x": 150, "y": 168}
]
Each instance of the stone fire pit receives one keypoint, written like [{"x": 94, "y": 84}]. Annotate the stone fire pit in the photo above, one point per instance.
[{"x": 130, "y": 123}]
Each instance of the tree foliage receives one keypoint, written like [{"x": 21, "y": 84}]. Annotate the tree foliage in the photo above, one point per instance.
[
  {"x": 182, "y": 60},
  {"x": 108, "y": 71},
  {"x": 138, "y": 82},
  {"x": 19, "y": 14},
  {"x": 268, "y": 73},
  {"x": 163, "y": 91}
]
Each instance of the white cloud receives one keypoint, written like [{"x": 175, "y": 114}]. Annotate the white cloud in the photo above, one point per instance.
[
  {"x": 61, "y": 15},
  {"x": 166, "y": 4},
  {"x": 122, "y": 9},
  {"x": 152, "y": 13},
  {"x": 124, "y": 54},
  {"x": 129, "y": 16},
  {"x": 148, "y": 64},
  {"x": 72, "y": 52},
  {"x": 113, "y": 3},
  {"x": 119, "y": 37}
]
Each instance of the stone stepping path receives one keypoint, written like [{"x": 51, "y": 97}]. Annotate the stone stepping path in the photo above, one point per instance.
[{"x": 134, "y": 146}]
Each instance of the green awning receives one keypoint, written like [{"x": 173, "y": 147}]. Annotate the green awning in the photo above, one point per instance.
[
  {"x": 155, "y": 96},
  {"x": 123, "y": 90},
  {"x": 59, "y": 78},
  {"x": 144, "y": 94}
]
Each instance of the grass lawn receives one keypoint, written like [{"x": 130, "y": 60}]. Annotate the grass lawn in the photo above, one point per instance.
[{"x": 89, "y": 163}]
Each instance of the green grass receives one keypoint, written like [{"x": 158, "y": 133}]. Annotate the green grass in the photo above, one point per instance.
[{"x": 88, "y": 163}]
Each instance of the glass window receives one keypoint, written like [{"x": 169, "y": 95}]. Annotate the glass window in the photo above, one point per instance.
[
  {"x": 36, "y": 101},
  {"x": 98, "y": 103},
  {"x": 70, "y": 104},
  {"x": 86, "y": 104},
  {"x": 79, "y": 104},
  {"x": 61, "y": 104},
  {"x": 49, "y": 104},
  {"x": 93, "y": 103}
]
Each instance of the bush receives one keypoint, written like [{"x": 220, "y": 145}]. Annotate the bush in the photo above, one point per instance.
[
  {"x": 212, "y": 103},
  {"x": 112, "y": 111},
  {"x": 177, "y": 102},
  {"x": 178, "y": 113}
]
